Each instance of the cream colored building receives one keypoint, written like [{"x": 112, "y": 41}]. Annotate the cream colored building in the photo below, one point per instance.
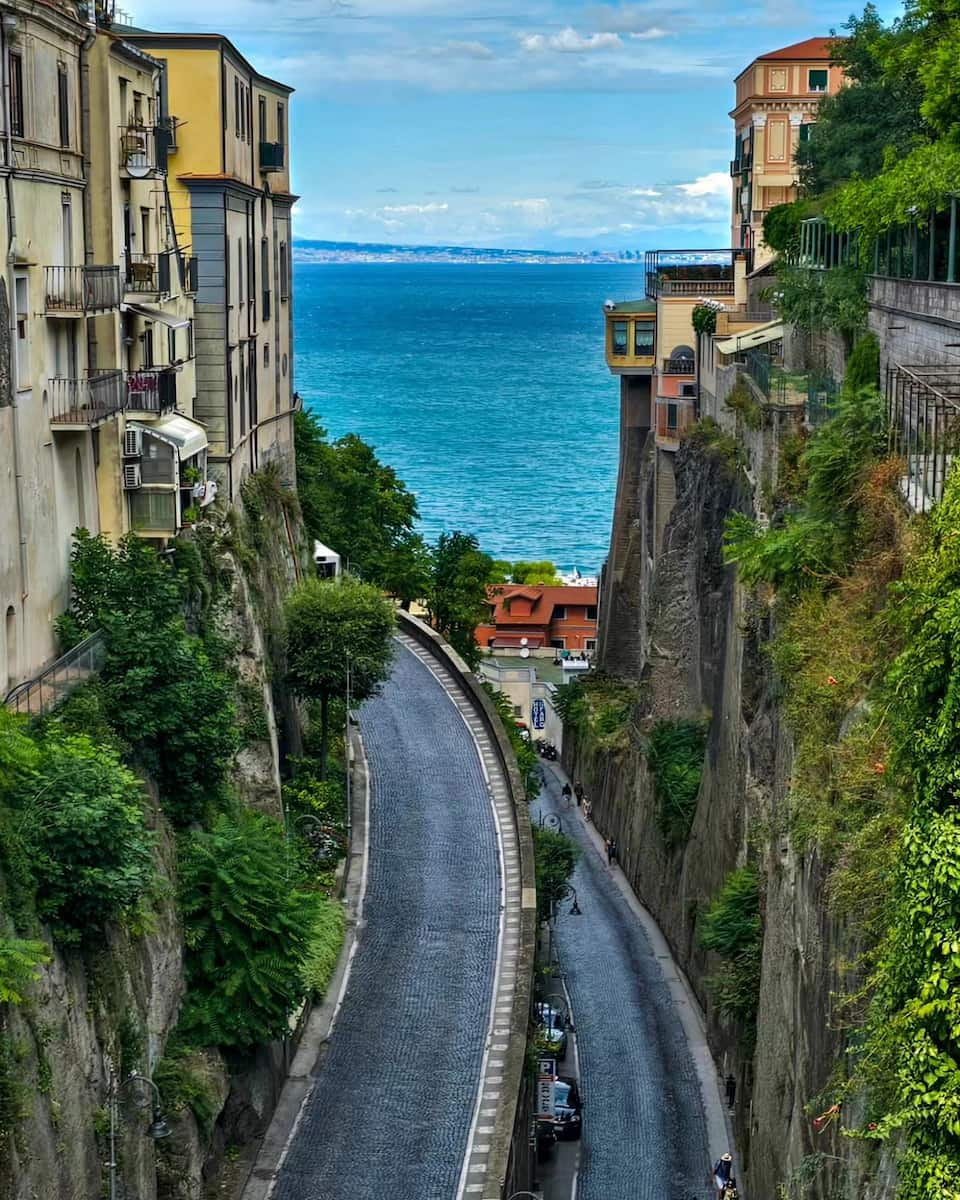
[{"x": 778, "y": 95}]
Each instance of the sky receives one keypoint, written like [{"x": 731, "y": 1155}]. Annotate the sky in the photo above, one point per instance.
[{"x": 555, "y": 124}]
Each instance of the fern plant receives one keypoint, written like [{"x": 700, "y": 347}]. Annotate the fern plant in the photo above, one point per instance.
[
  {"x": 675, "y": 755},
  {"x": 248, "y": 930}
]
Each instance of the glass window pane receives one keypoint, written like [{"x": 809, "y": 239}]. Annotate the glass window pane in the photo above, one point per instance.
[
  {"x": 620, "y": 337},
  {"x": 643, "y": 339}
]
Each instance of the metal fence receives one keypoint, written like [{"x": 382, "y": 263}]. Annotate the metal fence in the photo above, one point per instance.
[
  {"x": 86, "y": 401},
  {"x": 923, "y": 410},
  {"x": 55, "y": 682},
  {"x": 821, "y": 398}
]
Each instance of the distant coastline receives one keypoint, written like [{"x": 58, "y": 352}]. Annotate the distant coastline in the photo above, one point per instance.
[{"x": 305, "y": 251}]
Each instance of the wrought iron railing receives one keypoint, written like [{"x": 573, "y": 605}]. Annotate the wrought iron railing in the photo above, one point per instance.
[
  {"x": 55, "y": 683},
  {"x": 140, "y": 155},
  {"x": 153, "y": 390},
  {"x": 147, "y": 273},
  {"x": 678, "y": 366},
  {"x": 923, "y": 412},
  {"x": 85, "y": 401},
  {"x": 83, "y": 289}
]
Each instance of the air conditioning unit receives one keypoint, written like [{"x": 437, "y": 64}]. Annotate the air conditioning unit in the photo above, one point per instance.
[
  {"x": 132, "y": 443},
  {"x": 132, "y": 481},
  {"x": 688, "y": 391}
]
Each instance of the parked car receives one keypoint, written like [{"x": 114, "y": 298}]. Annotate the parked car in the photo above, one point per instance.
[
  {"x": 553, "y": 1029},
  {"x": 567, "y": 1109}
]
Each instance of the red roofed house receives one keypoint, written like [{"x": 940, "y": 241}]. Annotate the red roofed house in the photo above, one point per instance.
[
  {"x": 778, "y": 95},
  {"x": 540, "y": 619}
]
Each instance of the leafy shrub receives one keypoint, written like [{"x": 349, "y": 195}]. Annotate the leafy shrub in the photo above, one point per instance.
[
  {"x": 817, "y": 300},
  {"x": 326, "y": 940},
  {"x": 528, "y": 761},
  {"x": 781, "y": 226},
  {"x": 732, "y": 928},
  {"x": 190, "y": 1079},
  {"x": 708, "y": 438},
  {"x": 248, "y": 932},
  {"x": 571, "y": 704},
  {"x": 555, "y": 856},
  {"x": 863, "y": 365},
  {"x": 19, "y": 960},
  {"x": 743, "y": 402},
  {"x": 85, "y": 829},
  {"x": 675, "y": 755},
  {"x": 704, "y": 319}
]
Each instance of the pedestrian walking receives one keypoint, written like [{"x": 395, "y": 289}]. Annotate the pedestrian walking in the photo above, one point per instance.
[
  {"x": 587, "y": 809},
  {"x": 578, "y": 791},
  {"x": 566, "y": 794},
  {"x": 731, "y": 1089},
  {"x": 723, "y": 1173},
  {"x": 608, "y": 846},
  {"x": 612, "y": 852}
]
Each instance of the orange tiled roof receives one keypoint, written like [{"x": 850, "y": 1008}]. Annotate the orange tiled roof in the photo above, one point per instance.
[
  {"x": 815, "y": 47},
  {"x": 545, "y": 599}
]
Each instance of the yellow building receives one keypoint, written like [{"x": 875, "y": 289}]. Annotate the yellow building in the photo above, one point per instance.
[
  {"x": 778, "y": 95},
  {"x": 229, "y": 194}
]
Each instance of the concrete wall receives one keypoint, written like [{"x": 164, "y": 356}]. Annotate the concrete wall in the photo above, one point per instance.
[{"x": 916, "y": 323}]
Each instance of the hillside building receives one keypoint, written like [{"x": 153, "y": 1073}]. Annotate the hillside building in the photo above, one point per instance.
[{"x": 544, "y": 621}]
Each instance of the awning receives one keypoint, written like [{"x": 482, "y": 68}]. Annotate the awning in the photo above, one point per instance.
[
  {"x": 171, "y": 320},
  {"x": 187, "y": 435},
  {"x": 760, "y": 335}
]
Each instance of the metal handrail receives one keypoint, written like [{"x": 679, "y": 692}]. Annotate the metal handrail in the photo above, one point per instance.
[
  {"x": 81, "y": 289},
  {"x": 40, "y": 695},
  {"x": 85, "y": 401}
]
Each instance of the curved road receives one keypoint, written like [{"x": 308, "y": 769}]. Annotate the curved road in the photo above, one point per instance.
[
  {"x": 390, "y": 1114},
  {"x": 644, "y": 1130}
]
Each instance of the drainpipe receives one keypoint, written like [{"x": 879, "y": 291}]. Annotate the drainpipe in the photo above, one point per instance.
[
  {"x": 8, "y": 25},
  {"x": 88, "y": 255}
]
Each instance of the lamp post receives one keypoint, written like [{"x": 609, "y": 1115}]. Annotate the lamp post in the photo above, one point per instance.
[
  {"x": 157, "y": 1129},
  {"x": 568, "y": 892},
  {"x": 517, "y": 1195},
  {"x": 551, "y": 821}
]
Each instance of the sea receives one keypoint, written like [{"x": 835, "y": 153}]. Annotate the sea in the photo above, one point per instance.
[{"x": 484, "y": 387}]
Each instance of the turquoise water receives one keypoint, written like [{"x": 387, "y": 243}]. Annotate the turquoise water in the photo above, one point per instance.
[{"x": 484, "y": 387}]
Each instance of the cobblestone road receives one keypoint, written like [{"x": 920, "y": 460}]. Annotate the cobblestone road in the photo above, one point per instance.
[
  {"x": 644, "y": 1132},
  {"x": 390, "y": 1115}
]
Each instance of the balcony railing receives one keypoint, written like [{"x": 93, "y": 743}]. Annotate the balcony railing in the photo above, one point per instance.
[
  {"x": 141, "y": 154},
  {"x": 692, "y": 272},
  {"x": 679, "y": 366},
  {"x": 152, "y": 391},
  {"x": 79, "y": 290},
  {"x": 147, "y": 274},
  {"x": 55, "y": 683},
  {"x": 271, "y": 156},
  {"x": 87, "y": 401},
  {"x": 923, "y": 408}
]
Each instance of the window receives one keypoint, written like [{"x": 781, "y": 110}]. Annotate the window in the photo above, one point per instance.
[
  {"x": 266, "y": 354},
  {"x": 671, "y": 418},
  {"x": 817, "y": 81},
  {"x": 619, "y": 339},
  {"x": 591, "y": 612},
  {"x": 138, "y": 109},
  {"x": 190, "y": 344},
  {"x": 284, "y": 273},
  {"x": 590, "y": 644},
  {"x": 240, "y": 298},
  {"x": 518, "y": 710},
  {"x": 265, "y": 276},
  {"x": 16, "y": 95},
  {"x": 805, "y": 131},
  {"x": 559, "y": 612},
  {"x": 63, "y": 103},
  {"x": 146, "y": 348},
  {"x": 262, "y": 117},
  {"x": 281, "y": 125},
  {"x": 66, "y": 229},
  {"x": 236, "y": 107},
  {"x": 643, "y": 335},
  {"x": 144, "y": 230},
  {"x": 22, "y": 301},
  {"x": 558, "y": 643},
  {"x": 171, "y": 344}
]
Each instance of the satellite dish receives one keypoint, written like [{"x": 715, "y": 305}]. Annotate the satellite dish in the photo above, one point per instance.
[
  {"x": 524, "y": 653},
  {"x": 524, "y": 641}
]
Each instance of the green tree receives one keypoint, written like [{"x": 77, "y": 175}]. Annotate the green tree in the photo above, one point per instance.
[
  {"x": 333, "y": 626},
  {"x": 555, "y": 856},
  {"x": 457, "y": 595},
  {"x": 359, "y": 507},
  {"x": 85, "y": 829},
  {"x": 248, "y": 930},
  {"x": 535, "y": 572}
]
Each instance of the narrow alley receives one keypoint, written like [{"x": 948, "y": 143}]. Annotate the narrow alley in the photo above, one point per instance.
[
  {"x": 391, "y": 1112},
  {"x": 646, "y": 1135}
]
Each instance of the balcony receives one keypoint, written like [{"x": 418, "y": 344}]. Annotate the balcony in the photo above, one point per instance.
[
  {"x": 85, "y": 403},
  {"x": 76, "y": 291},
  {"x": 271, "y": 156},
  {"x": 147, "y": 274},
  {"x": 692, "y": 273},
  {"x": 923, "y": 410},
  {"x": 673, "y": 419},
  {"x": 153, "y": 390},
  {"x": 679, "y": 366},
  {"x": 141, "y": 154}
]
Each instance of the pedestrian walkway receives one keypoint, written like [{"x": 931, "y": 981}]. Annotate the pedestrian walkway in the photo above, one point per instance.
[
  {"x": 645, "y": 1130},
  {"x": 411, "y": 1068}
]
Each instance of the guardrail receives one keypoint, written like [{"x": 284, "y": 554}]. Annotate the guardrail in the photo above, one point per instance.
[
  {"x": 86, "y": 401},
  {"x": 923, "y": 408},
  {"x": 147, "y": 274},
  {"x": 83, "y": 289},
  {"x": 510, "y": 1138},
  {"x": 53, "y": 685}
]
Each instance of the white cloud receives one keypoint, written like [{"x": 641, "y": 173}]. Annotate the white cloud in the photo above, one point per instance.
[
  {"x": 717, "y": 183},
  {"x": 406, "y": 210},
  {"x": 649, "y": 35},
  {"x": 568, "y": 41},
  {"x": 460, "y": 50}
]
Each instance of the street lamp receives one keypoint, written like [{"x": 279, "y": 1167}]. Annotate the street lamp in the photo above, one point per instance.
[
  {"x": 157, "y": 1129},
  {"x": 551, "y": 821}
]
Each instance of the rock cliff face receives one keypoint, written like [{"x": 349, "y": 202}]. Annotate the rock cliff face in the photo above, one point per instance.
[
  {"x": 114, "y": 1008},
  {"x": 706, "y": 660}
]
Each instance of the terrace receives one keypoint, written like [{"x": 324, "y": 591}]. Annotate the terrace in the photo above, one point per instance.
[{"x": 691, "y": 274}]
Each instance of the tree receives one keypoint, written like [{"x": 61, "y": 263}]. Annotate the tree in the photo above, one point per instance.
[
  {"x": 535, "y": 572},
  {"x": 457, "y": 595},
  {"x": 555, "y": 855},
  {"x": 333, "y": 626},
  {"x": 359, "y": 507},
  {"x": 405, "y": 570}
]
